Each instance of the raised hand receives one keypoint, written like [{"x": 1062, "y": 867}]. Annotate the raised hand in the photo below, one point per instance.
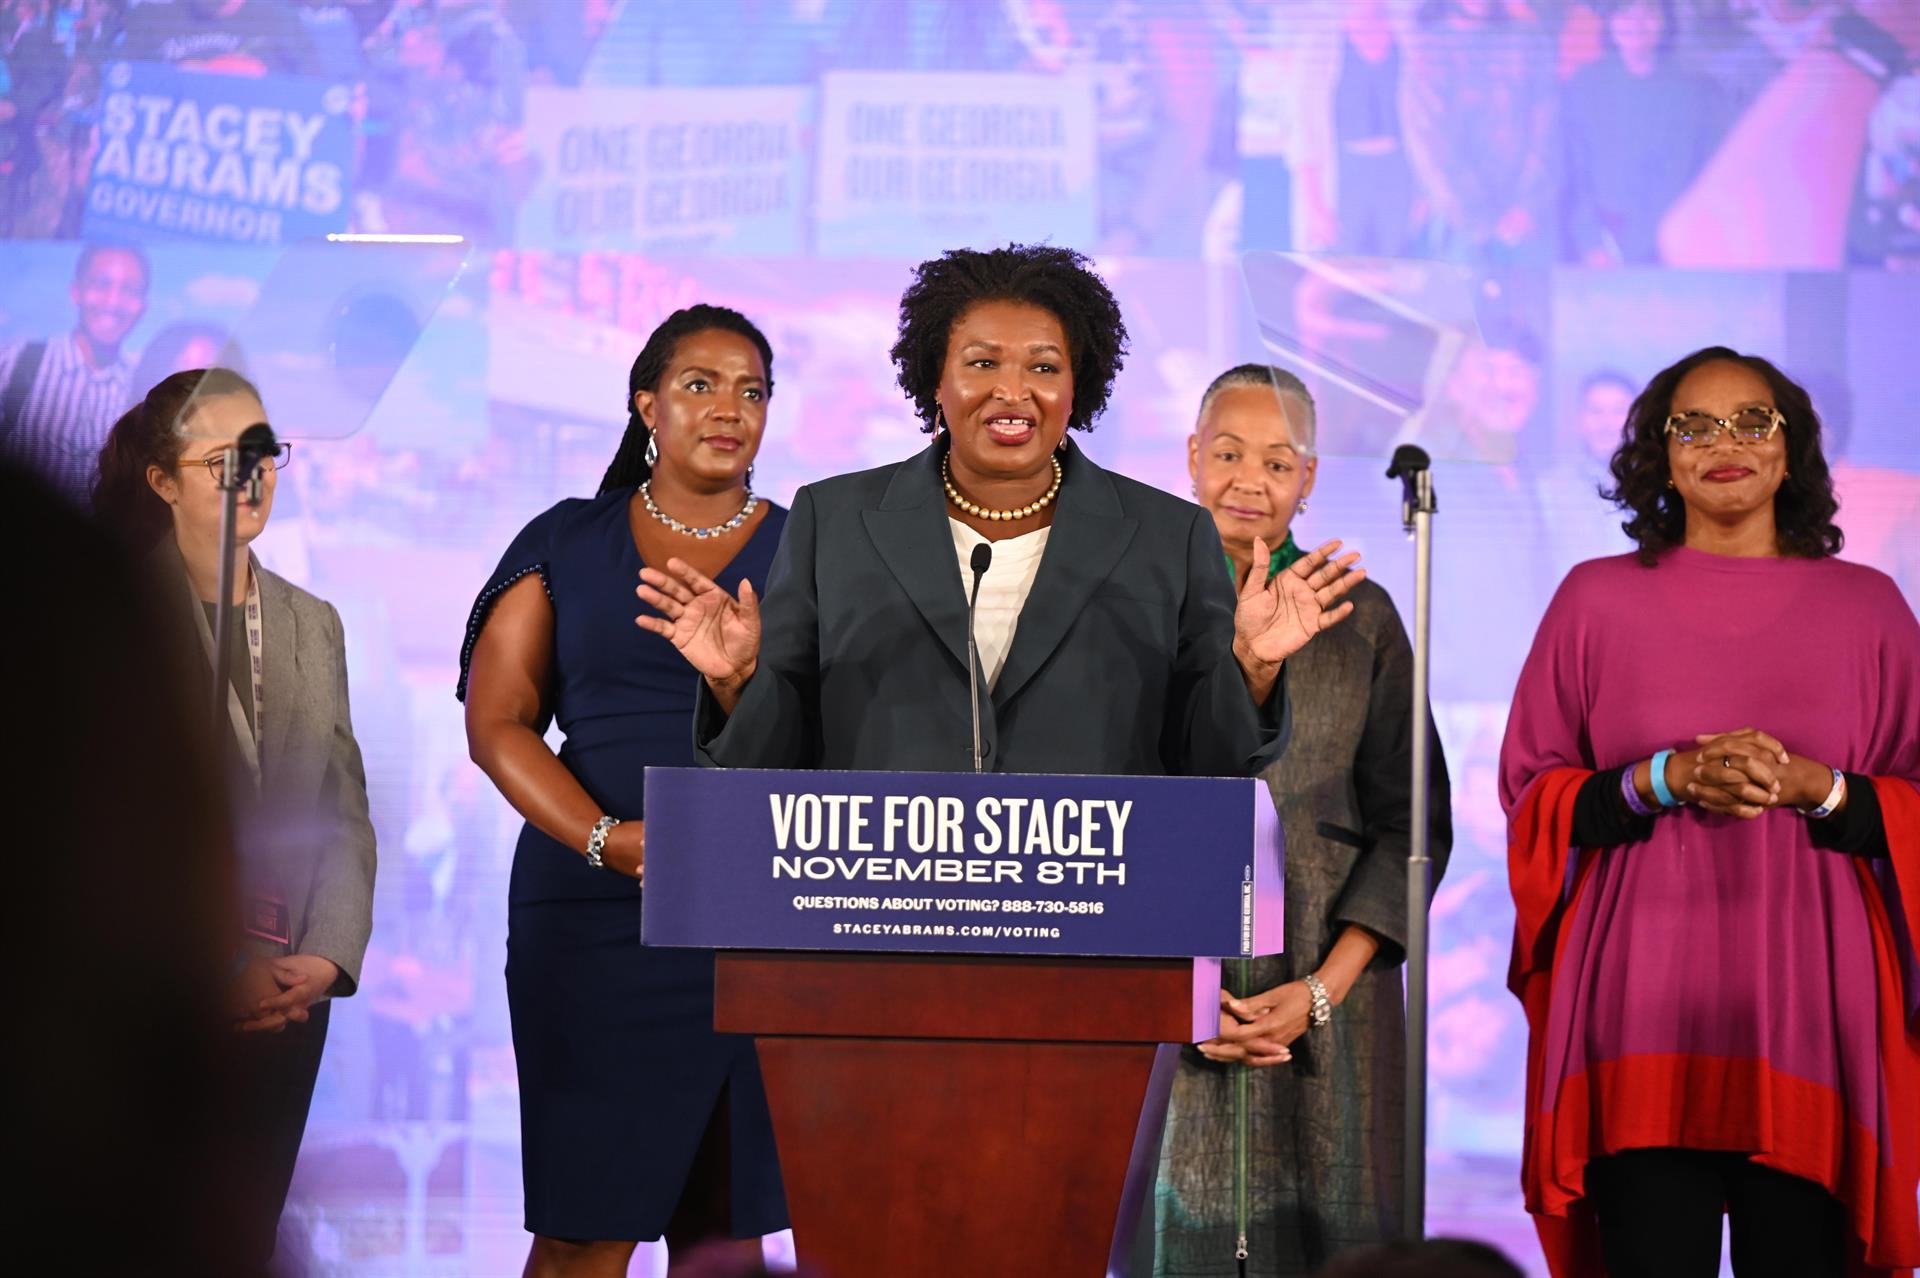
[
  {"x": 717, "y": 634},
  {"x": 1277, "y": 618}
]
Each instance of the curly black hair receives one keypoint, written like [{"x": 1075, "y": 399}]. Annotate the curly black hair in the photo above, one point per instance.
[
  {"x": 1058, "y": 280},
  {"x": 1804, "y": 506},
  {"x": 629, "y": 468}
]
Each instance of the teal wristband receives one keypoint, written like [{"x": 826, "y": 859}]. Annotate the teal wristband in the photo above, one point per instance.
[{"x": 1658, "y": 775}]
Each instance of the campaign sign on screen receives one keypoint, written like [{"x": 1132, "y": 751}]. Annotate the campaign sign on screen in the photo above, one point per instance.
[
  {"x": 680, "y": 171},
  {"x": 999, "y": 863},
  {"x": 911, "y": 164},
  {"x": 203, "y": 156}
]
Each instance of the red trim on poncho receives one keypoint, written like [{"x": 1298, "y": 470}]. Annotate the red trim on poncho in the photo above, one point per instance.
[{"x": 1681, "y": 1100}]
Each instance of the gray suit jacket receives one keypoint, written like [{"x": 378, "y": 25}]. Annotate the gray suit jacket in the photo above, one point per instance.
[
  {"x": 308, "y": 833},
  {"x": 1121, "y": 661}
]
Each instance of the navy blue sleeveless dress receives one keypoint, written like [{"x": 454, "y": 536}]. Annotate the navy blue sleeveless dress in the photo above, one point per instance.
[{"x": 620, "y": 1069}]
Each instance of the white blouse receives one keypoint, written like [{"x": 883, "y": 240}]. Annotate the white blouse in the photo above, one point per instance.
[{"x": 1003, "y": 589}]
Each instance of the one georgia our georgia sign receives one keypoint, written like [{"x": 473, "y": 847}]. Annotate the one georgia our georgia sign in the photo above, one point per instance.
[{"x": 954, "y": 862}]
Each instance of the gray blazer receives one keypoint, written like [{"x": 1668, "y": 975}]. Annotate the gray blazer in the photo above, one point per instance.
[
  {"x": 1121, "y": 661},
  {"x": 309, "y": 831}
]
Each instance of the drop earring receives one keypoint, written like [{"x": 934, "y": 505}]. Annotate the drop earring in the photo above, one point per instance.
[
  {"x": 653, "y": 450},
  {"x": 1301, "y": 509}
]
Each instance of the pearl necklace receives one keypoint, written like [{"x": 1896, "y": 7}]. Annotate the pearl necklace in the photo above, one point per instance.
[
  {"x": 687, "y": 530},
  {"x": 981, "y": 512}
]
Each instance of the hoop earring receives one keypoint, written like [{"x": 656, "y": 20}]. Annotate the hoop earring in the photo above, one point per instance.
[{"x": 653, "y": 450}]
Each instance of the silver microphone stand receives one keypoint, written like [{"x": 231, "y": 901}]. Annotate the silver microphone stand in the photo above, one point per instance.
[{"x": 1412, "y": 467}]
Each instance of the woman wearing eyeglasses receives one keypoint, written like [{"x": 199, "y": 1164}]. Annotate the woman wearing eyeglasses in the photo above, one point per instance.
[
  {"x": 1712, "y": 778},
  {"x": 306, "y": 846}
]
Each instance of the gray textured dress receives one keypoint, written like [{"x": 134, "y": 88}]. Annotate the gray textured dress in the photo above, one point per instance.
[{"x": 1326, "y": 1129}]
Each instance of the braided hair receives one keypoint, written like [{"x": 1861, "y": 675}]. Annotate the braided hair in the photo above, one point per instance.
[{"x": 629, "y": 468}]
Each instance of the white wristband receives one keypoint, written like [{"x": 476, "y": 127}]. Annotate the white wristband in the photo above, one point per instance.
[{"x": 1835, "y": 797}]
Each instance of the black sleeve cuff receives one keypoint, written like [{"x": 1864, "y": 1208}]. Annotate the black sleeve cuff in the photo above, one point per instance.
[
  {"x": 1601, "y": 817},
  {"x": 1859, "y": 829}
]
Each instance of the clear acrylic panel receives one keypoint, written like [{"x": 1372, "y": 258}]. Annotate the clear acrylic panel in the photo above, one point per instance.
[
  {"x": 1390, "y": 349},
  {"x": 335, "y": 320}
]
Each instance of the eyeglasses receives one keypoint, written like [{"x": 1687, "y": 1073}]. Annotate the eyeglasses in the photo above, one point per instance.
[
  {"x": 1754, "y": 425},
  {"x": 279, "y": 459}
]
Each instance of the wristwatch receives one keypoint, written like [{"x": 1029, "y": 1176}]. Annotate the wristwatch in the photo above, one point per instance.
[
  {"x": 1322, "y": 1010},
  {"x": 597, "y": 841},
  {"x": 1869, "y": 46}
]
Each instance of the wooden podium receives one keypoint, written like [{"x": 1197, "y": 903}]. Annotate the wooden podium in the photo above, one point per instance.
[
  {"x": 948, "y": 1102},
  {"x": 959, "y": 1114}
]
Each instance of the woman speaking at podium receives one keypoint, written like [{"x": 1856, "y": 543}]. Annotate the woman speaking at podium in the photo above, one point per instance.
[{"x": 1108, "y": 638}]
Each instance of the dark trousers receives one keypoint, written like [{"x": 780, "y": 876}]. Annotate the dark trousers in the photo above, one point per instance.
[
  {"x": 1660, "y": 1210},
  {"x": 277, "y": 1073}
]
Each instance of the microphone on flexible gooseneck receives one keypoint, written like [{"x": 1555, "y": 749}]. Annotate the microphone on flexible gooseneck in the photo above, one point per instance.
[{"x": 982, "y": 556}]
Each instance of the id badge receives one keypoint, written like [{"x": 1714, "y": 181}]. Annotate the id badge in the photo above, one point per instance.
[{"x": 265, "y": 918}]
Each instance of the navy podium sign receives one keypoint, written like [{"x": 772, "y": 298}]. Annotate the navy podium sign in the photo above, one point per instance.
[{"x": 954, "y": 862}]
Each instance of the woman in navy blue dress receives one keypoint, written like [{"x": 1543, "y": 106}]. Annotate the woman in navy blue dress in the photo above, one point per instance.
[{"x": 636, "y": 1119}]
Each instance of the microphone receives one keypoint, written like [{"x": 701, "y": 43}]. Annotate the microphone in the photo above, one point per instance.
[
  {"x": 242, "y": 461},
  {"x": 255, "y": 445},
  {"x": 1413, "y": 468},
  {"x": 982, "y": 556}
]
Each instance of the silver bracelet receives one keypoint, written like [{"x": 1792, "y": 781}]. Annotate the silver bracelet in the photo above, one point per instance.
[
  {"x": 1322, "y": 1010},
  {"x": 597, "y": 841}
]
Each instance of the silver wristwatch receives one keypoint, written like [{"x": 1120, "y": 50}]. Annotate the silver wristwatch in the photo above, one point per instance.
[
  {"x": 597, "y": 841},
  {"x": 1322, "y": 1010}
]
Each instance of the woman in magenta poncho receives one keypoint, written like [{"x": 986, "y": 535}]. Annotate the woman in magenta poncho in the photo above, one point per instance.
[{"x": 1710, "y": 773}]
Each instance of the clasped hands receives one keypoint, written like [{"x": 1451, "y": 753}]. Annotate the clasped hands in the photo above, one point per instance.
[
  {"x": 272, "y": 993},
  {"x": 1746, "y": 773},
  {"x": 1259, "y": 1030}
]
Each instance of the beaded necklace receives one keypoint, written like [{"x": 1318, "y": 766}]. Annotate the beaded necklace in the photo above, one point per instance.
[{"x": 982, "y": 512}]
